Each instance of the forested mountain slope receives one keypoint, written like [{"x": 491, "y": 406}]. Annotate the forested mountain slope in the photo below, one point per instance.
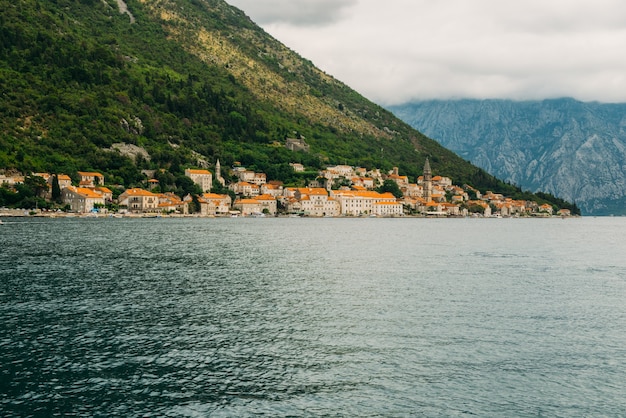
[{"x": 188, "y": 81}]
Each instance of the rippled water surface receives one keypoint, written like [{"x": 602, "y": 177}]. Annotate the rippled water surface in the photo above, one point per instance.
[{"x": 313, "y": 317}]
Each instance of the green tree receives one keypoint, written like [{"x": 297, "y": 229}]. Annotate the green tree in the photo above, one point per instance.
[
  {"x": 194, "y": 205},
  {"x": 185, "y": 186},
  {"x": 56, "y": 189},
  {"x": 390, "y": 186},
  {"x": 37, "y": 185}
]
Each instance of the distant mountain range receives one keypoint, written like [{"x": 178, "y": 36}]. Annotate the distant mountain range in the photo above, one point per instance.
[{"x": 574, "y": 150}]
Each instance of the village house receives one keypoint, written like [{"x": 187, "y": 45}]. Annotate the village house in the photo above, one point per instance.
[
  {"x": 564, "y": 212},
  {"x": 386, "y": 209},
  {"x": 401, "y": 181},
  {"x": 438, "y": 194},
  {"x": 244, "y": 175},
  {"x": 451, "y": 209},
  {"x": 297, "y": 167},
  {"x": 81, "y": 199},
  {"x": 254, "y": 206},
  {"x": 90, "y": 179},
  {"x": 11, "y": 180},
  {"x": 203, "y": 178},
  {"x": 316, "y": 202},
  {"x": 46, "y": 176},
  {"x": 340, "y": 171},
  {"x": 486, "y": 208},
  {"x": 243, "y": 188},
  {"x": 491, "y": 197},
  {"x": 504, "y": 208},
  {"x": 273, "y": 188},
  {"x": 268, "y": 204},
  {"x": 411, "y": 203},
  {"x": 412, "y": 190},
  {"x": 213, "y": 204},
  {"x": 364, "y": 182},
  {"x": 106, "y": 193},
  {"x": 64, "y": 181},
  {"x": 430, "y": 207},
  {"x": 248, "y": 176},
  {"x": 6, "y": 180},
  {"x": 139, "y": 201},
  {"x": 171, "y": 203},
  {"x": 355, "y": 203},
  {"x": 259, "y": 179},
  {"x": 441, "y": 181},
  {"x": 457, "y": 198}
]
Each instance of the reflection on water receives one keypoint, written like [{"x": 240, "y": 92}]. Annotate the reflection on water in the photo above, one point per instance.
[{"x": 343, "y": 317}]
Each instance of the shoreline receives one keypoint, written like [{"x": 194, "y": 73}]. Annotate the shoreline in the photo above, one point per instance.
[{"x": 20, "y": 213}]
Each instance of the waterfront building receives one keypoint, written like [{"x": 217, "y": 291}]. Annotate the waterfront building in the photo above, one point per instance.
[
  {"x": 139, "y": 200},
  {"x": 359, "y": 202},
  {"x": 213, "y": 204},
  {"x": 81, "y": 199}
]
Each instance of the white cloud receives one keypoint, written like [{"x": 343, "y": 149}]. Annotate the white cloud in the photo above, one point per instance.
[
  {"x": 399, "y": 50},
  {"x": 298, "y": 12}
]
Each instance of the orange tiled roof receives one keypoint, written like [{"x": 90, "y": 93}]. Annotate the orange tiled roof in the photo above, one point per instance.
[
  {"x": 264, "y": 197},
  {"x": 85, "y": 192},
  {"x": 198, "y": 171},
  {"x": 312, "y": 190},
  {"x": 214, "y": 196},
  {"x": 138, "y": 192},
  {"x": 365, "y": 193}
]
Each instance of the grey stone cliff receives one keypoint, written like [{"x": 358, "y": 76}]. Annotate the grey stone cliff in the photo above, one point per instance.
[{"x": 572, "y": 149}]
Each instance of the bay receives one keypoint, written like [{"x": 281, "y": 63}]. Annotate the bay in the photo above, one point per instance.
[{"x": 313, "y": 317}]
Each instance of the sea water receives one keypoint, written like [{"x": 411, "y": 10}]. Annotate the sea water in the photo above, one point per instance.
[{"x": 313, "y": 317}]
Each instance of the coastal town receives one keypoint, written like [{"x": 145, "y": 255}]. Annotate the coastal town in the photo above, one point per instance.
[{"x": 339, "y": 190}]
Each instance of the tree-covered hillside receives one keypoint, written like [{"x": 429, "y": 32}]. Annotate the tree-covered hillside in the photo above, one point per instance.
[{"x": 186, "y": 80}]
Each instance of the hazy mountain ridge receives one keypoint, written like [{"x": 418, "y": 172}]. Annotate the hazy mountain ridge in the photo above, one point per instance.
[{"x": 572, "y": 149}]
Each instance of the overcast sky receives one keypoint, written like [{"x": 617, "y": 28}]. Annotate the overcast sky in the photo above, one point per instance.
[{"x": 394, "y": 51}]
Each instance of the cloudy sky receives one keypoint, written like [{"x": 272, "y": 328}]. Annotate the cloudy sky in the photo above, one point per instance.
[{"x": 394, "y": 51}]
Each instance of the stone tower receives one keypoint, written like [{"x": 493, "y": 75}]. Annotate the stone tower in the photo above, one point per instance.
[
  {"x": 428, "y": 182},
  {"x": 218, "y": 173}
]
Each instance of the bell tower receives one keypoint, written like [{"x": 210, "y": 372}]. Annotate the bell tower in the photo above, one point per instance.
[
  {"x": 218, "y": 173},
  {"x": 428, "y": 182}
]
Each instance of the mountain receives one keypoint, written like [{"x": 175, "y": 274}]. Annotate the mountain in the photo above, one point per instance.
[
  {"x": 183, "y": 83},
  {"x": 572, "y": 149}
]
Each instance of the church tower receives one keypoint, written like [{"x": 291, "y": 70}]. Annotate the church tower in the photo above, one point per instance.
[
  {"x": 428, "y": 182},
  {"x": 218, "y": 173}
]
